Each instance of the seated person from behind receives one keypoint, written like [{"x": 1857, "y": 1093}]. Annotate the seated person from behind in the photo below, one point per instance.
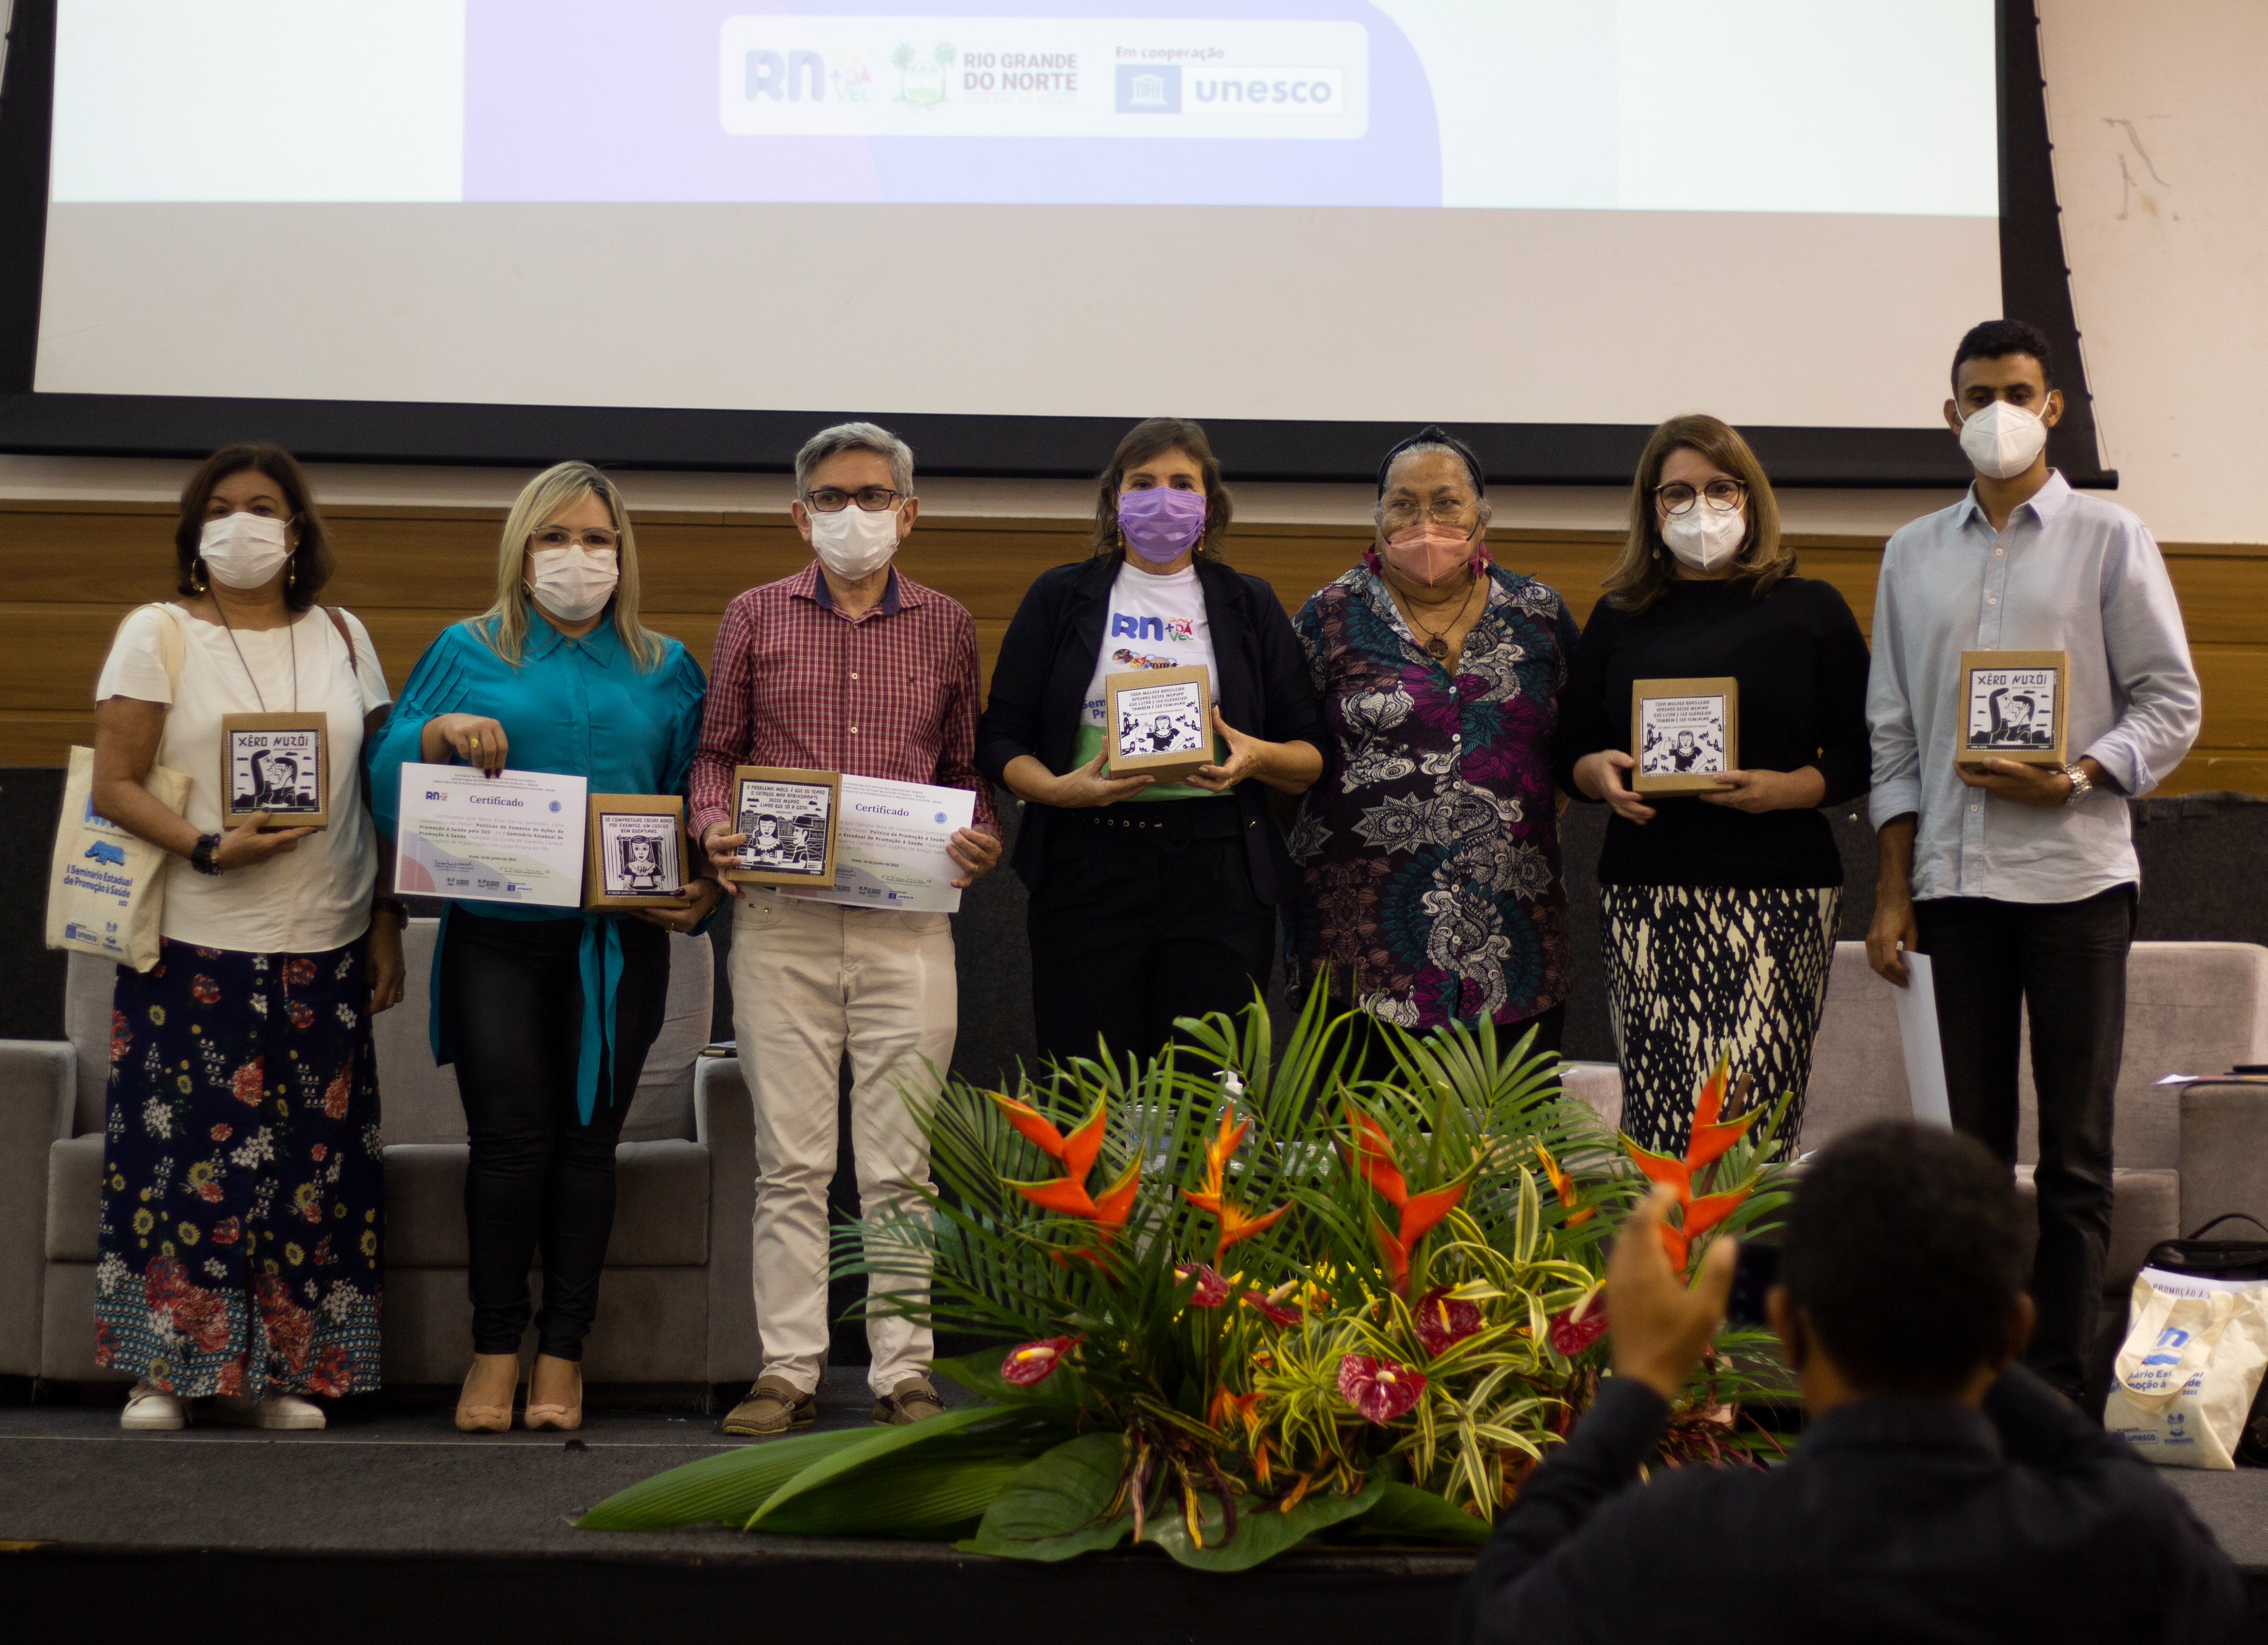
[{"x": 1940, "y": 1490}]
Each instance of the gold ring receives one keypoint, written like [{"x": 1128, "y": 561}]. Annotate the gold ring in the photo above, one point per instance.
[{"x": 477, "y": 742}]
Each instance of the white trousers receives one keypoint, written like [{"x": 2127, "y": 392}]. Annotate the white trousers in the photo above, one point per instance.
[{"x": 812, "y": 982}]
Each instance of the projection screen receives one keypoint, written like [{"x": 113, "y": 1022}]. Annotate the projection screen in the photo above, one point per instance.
[{"x": 1537, "y": 212}]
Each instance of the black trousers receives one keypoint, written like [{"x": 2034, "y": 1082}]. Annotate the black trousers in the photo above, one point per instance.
[
  {"x": 1145, "y": 912},
  {"x": 511, "y": 1002},
  {"x": 2064, "y": 964}
]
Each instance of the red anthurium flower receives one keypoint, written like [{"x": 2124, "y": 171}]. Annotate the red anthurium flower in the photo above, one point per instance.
[
  {"x": 1443, "y": 1320},
  {"x": 1212, "y": 1289},
  {"x": 1563, "y": 1186},
  {"x": 1378, "y": 1388},
  {"x": 1035, "y": 1361},
  {"x": 1268, "y": 1308},
  {"x": 1575, "y": 1329}
]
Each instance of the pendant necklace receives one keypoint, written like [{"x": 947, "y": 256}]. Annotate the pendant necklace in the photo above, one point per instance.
[
  {"x": 291, "y": 633},
  {"x": 1437, "y": 647}
]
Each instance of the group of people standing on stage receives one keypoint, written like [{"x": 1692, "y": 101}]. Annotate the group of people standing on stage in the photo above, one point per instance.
[{"x": 1419, "y": 719}]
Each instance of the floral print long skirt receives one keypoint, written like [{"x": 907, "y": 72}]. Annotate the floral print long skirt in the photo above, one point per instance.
[{"x": 243, "y": 1189}]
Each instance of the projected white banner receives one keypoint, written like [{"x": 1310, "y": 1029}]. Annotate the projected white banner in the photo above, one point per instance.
[{"x": 1610, "y": 209}]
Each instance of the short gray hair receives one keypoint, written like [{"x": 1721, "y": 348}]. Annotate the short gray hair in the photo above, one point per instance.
[{"x": 856, "y": 437}]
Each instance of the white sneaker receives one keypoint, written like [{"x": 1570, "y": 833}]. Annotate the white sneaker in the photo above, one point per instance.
[
  {"x": 152, "y": 1411},
  {"x": 270, "y": 1410}
]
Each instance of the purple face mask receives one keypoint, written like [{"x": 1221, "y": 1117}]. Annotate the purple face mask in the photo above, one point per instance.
[{"x": 1160, "y": 524}]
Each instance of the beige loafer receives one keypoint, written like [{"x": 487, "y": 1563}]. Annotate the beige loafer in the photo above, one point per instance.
[
  {"x": 913, "y": 1401},
  {"x": 774, "y": 1406}
]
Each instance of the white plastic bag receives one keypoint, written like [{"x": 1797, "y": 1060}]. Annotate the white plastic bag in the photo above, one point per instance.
[{"x": 2193, "y": 1357}]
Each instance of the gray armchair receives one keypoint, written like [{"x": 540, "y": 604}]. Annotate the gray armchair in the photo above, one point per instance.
[
  {"x": 2184, "y": 1154},
  {"x": 675, "y": 1306}
]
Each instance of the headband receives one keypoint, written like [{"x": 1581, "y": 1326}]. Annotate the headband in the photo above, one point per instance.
[{"x": 1434, "y": 433}]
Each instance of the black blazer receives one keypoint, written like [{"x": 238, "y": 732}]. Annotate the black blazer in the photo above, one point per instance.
[{"x": 1039, "y": 684}]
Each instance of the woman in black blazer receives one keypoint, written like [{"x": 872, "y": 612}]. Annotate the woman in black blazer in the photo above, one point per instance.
[{"x": 1148, "y": 900}]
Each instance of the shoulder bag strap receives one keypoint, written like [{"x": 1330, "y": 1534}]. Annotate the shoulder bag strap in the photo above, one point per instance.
[
  {"x": 339, "y": 621},
  {"x": 2230, "y": 1217}
]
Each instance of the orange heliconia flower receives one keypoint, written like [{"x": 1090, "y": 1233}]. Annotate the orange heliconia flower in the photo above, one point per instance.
[
  {"x": 1707, "y": 1142},
  {"x": 1235, "y": 1222},
  {"x": 1066, "y": 1195},
  {"x": 1563, "y": 1186},
  {"x": 1370, "y": 1155}
]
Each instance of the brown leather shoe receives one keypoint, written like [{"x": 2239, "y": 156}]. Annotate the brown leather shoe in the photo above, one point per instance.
[
  {"x": 774, "y": 1406},
  {"x": 910, "y": 1401}
]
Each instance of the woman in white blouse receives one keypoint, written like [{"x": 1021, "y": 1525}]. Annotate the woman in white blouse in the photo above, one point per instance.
[{"x": 242, "y": 1187}]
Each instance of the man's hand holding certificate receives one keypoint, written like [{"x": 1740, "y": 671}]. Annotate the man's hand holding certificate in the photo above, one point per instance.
[{"x": 904, "y": 846}]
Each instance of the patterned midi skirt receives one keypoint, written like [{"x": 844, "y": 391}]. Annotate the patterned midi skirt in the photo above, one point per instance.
[
  {"x": 1694, "y": 973},
  {"x": 243, "y": 1191}
]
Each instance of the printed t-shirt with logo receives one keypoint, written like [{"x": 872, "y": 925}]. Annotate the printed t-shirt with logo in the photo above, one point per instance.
[{"x": 1154, "y": 622}]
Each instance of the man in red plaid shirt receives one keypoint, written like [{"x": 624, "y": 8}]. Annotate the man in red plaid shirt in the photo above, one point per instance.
[{"x": 850, "y": 666}]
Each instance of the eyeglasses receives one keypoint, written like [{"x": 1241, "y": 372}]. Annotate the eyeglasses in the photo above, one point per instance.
[
  {"x": 1724, "y": 496},
  {"x": 594, "y": 540},
  {"x": 873, "y": 499},
  {"x": 1441, "y": 511}
]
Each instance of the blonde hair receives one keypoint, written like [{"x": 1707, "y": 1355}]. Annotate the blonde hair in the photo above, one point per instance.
[
  {"x": 1643, "y": 572},
  {"x": 503, "y": 627}
]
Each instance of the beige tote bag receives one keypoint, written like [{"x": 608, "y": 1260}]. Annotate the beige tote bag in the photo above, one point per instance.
[{"x": 107, "y": 888}]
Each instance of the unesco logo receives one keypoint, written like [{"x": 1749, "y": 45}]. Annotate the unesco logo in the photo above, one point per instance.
[{"x": 1146, "y": 88}]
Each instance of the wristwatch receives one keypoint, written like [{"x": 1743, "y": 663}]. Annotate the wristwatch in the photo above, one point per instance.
[
  {"x": 393, "y": 906},
  {"x": 201, "y": 855},
  {"x": 2081, "y": 784}
]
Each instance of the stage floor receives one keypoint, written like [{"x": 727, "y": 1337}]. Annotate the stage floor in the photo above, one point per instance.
[{"x": 391, "y": 1524}]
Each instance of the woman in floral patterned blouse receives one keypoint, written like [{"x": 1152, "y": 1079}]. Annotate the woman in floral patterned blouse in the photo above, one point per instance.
[{"x": 1429, "y": 850}]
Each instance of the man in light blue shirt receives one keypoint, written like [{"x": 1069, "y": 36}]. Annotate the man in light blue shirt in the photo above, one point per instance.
[{"x": 2019, "y": 880}]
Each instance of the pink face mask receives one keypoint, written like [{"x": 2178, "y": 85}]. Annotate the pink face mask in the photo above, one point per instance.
[{"x": 1429, "y": 553}]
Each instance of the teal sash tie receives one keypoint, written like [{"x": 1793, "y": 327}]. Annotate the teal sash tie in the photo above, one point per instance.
[{"x": 601, "y": 959}]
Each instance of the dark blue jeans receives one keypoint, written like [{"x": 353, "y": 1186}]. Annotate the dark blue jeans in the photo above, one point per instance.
[{"x": 2064, "y": 964}]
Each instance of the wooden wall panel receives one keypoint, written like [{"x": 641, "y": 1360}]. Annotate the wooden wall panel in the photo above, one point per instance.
[{"x": 71, "y": 570}]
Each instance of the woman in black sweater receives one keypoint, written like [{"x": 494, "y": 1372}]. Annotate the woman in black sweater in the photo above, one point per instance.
[
  {"x": 1148, "y": 900},
  {"x": 1717, "y": 910}
]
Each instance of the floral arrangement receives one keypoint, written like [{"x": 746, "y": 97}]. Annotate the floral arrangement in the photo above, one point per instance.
[{"x": 1248, "y": 1300}]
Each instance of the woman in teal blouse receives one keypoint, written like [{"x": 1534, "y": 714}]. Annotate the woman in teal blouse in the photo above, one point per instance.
[{"x": 549, "y": 1015}]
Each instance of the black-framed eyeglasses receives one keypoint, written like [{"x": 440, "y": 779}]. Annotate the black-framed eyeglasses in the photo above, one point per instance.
[
  {"x": 829, "y": 500},
  {"x": 1724, "y": 496}
]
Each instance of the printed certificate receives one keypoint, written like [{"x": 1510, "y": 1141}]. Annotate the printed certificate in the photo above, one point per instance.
[
  {"x": 890, "y": 847},
  {"x": 515, "y": 837}
]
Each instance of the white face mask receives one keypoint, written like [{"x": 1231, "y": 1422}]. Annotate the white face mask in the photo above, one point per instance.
[
  {"x": 2003, "y": 440},
  {"x": 1705, "y": 538},
  {"x": 244, "y": 550},
  {"x": 573, "y": 584},
  {"x": 852, "y": 543}
]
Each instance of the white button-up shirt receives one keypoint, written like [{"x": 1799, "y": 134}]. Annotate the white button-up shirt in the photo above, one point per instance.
[{"x": 2072, "y": 574}]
